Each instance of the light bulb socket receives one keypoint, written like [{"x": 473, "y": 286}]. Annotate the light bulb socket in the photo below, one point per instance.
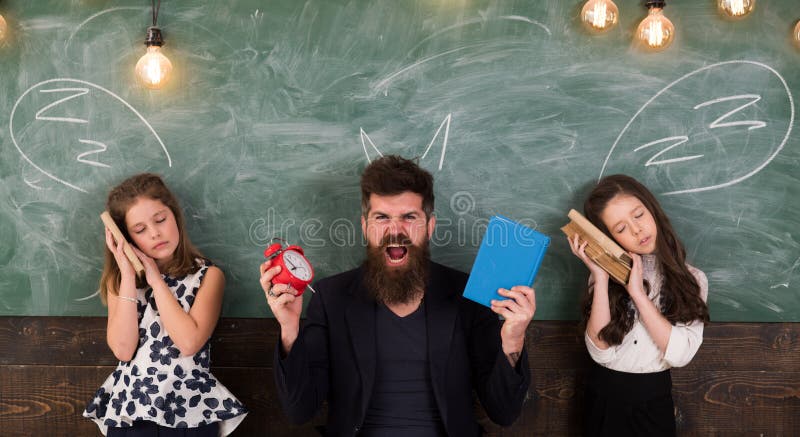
[
  {"x": 655, "y": 4},
  {"x": 154, "y": 37}
]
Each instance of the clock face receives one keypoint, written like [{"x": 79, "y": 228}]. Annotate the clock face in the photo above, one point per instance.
[{"x": 297, "y": 264}]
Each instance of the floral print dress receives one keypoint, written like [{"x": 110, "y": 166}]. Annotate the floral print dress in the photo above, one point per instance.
[{"x": 158, "y": 384}]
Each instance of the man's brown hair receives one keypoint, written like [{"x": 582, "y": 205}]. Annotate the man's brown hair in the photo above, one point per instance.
[{"x": 392, "y": 175}]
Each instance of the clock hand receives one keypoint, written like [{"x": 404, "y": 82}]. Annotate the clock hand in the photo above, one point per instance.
[{"x": 291, "y": 266}]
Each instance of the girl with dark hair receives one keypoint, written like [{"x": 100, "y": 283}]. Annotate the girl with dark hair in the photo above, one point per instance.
[
  {"x": 636, "y": 333},
  {"x": 159, "y": 326}
]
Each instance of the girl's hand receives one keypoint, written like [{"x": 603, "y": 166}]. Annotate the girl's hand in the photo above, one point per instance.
[
  {"x": 151, "y": 271},
  {"x": 579, "y": 249},
  {"x": 117, "y": 249},
  {"x": 635, "y": 285}
]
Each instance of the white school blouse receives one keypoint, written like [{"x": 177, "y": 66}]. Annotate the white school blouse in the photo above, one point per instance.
[{"x": 638, "y": 352}]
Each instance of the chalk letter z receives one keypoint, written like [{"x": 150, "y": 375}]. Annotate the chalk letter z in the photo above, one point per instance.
[
  {"x": 100, "y": 149},
  {"x": 678, "y": 140},
  {"x": 752, "y": 123},
  {"x": 78, "y": 92}
]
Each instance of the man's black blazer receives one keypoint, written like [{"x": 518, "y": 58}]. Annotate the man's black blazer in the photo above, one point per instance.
[{"x": 334, "y": 357}]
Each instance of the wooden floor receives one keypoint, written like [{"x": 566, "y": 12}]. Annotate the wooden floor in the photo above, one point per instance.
[{"x": 744, "y": 381}]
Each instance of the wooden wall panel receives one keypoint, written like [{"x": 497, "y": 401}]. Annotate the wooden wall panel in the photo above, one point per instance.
[{"x": 744, "y": 381}]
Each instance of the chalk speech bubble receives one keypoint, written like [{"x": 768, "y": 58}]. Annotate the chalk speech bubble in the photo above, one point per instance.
[{"x": 711, "y": 128}]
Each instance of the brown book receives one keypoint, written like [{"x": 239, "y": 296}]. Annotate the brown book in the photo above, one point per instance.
[
  {"x": 118, "y": 237},
  {"x": 601, "y": 249}
]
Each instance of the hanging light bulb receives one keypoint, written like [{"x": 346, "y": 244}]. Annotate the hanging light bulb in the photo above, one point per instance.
[
  {"x": 796, "y": 35},
  {"x": 3, "y": 28},
  {"x": 655, "y": 32},
  {"x": 153, "y": 68},
  {"x": 599, "y": 16},
  {"x": 736, "y": 8}
]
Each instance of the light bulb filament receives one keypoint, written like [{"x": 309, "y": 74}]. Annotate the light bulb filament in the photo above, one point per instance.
[
  {"x": 796, "y": 35},
  {"x": 737, "y": 7},
  {"x": 655, "y": 34},
  {"x": 599, "y": 15},
  {"x": 3, "y": 27},
  {"x": 153, "y": 71}
]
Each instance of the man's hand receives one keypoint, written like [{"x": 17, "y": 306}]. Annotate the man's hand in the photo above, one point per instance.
[
  {"x": 286, "y": 306},
  {"x": 518, "y": 311}
]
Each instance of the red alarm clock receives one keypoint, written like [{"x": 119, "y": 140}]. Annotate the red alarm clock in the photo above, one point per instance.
[{"x": 295, "y": 268}]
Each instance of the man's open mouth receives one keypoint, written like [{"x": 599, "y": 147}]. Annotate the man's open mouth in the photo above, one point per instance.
[{"x": 396, "y": 253}]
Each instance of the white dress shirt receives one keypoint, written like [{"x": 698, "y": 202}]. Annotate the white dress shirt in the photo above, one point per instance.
[{"x": 638, "y": 352}]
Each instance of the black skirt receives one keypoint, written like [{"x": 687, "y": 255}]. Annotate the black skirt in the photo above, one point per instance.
[
  {"x": 151, "y": 429},
  {"x": 628, "y": 404}
]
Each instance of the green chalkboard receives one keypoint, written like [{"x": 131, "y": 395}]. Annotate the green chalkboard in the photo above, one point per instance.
[{"x": 276, "y": 107}]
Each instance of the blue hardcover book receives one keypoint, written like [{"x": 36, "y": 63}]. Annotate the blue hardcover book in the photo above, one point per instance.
[{"x": 510, "y": 254}]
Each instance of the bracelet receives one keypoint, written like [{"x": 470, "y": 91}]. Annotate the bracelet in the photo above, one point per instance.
[{"x": 129, "y": 299}]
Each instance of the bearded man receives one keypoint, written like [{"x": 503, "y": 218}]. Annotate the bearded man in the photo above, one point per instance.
[{"x": 392, "y": 346}]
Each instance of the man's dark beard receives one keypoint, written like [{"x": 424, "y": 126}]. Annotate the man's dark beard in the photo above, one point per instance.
[{"x": 396, "y": 285}]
